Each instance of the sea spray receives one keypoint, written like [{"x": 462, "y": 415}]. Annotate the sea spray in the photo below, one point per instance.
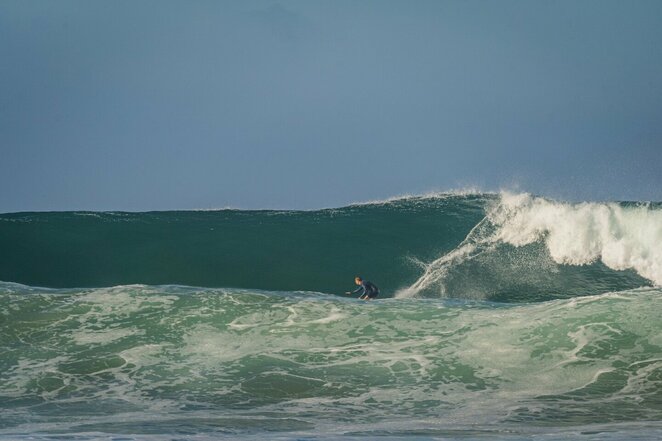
[
  {"x": 621, "y": 237},
  {"x": 601, "y": 236}
]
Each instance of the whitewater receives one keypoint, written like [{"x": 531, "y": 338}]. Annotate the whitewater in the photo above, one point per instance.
[
  {"x": 620, "y": 236},
  {"x": 502, "y": 316}
]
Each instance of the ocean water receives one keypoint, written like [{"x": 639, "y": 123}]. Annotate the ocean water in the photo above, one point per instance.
[{"x": 502, "y": 316}]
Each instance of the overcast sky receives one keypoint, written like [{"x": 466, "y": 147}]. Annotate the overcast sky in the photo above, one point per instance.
[{"x": 142, "y": 105}]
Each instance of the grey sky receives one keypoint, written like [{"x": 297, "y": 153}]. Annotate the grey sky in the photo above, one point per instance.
[{"x": 140, "y": 105}]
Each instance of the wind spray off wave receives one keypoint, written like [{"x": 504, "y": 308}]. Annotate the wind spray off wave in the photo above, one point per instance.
[
  {"x": 618, "y": 236},
  {"x": 621, "y": 237}
]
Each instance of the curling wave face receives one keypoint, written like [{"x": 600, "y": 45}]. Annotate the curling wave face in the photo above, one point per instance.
[
  {"x": 504, "y": 247},
  {"x": 532, "y": 244},
  {"x": 621, "y": 237}
]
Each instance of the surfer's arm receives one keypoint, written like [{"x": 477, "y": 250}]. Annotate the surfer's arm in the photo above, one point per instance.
[{"x": 356, "y": 290}]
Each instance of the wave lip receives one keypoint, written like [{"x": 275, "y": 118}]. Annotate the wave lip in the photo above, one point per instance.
[
  {"x": 621, "y": 237},
  {"x": 410, "y": 197},
  {"x": 524, "y": 237}
]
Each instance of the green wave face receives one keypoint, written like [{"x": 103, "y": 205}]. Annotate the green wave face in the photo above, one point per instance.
[
  {"x": 275, "y": 250},
  {"x": 509, "y": 248},
  {"x": 141, "y": 360}
]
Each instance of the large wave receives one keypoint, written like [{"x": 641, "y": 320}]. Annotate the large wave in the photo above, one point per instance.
[
  {"x": 506, "y": 247},
  {"x": 530, "y": 317}
]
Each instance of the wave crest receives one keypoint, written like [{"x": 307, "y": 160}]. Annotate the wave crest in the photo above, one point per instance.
[
  {"x": 616, "y": 235},
  {"x": 621, "y": 237}
]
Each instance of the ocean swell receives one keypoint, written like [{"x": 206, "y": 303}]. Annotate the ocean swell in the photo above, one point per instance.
[{"x": 505, "y": 247}]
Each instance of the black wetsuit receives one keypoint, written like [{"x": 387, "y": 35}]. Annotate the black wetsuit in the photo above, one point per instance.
[{"x": 369, "y": 289}]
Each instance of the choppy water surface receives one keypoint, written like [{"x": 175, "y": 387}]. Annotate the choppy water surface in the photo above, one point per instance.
[{"x": 517, "y": 318}]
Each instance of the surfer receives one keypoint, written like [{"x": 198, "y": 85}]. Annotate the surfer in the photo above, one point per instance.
[{"x": 369, "y": 289}]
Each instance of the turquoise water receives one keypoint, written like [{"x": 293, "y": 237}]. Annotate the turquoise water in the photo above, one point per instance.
[
  {"x": 510, "y": 317},
  {"x": 271, "y": 250}
]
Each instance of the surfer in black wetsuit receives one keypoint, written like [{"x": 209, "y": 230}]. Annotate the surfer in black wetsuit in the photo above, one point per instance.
[{"x": 369, "y": 289}]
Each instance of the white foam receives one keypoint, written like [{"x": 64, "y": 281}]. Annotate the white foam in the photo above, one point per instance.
[
  {"x": 621, "y": 237},
  {"x": 86, "y": 336},
  {"x": 437, "y": 270},
  {"x": 579, "y": 234}
]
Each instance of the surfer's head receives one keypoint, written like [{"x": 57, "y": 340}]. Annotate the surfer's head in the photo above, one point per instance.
[{"x": 358, "y": 280}]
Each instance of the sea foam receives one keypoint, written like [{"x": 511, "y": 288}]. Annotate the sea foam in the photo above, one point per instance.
[{"x": 620, "y": 236}]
